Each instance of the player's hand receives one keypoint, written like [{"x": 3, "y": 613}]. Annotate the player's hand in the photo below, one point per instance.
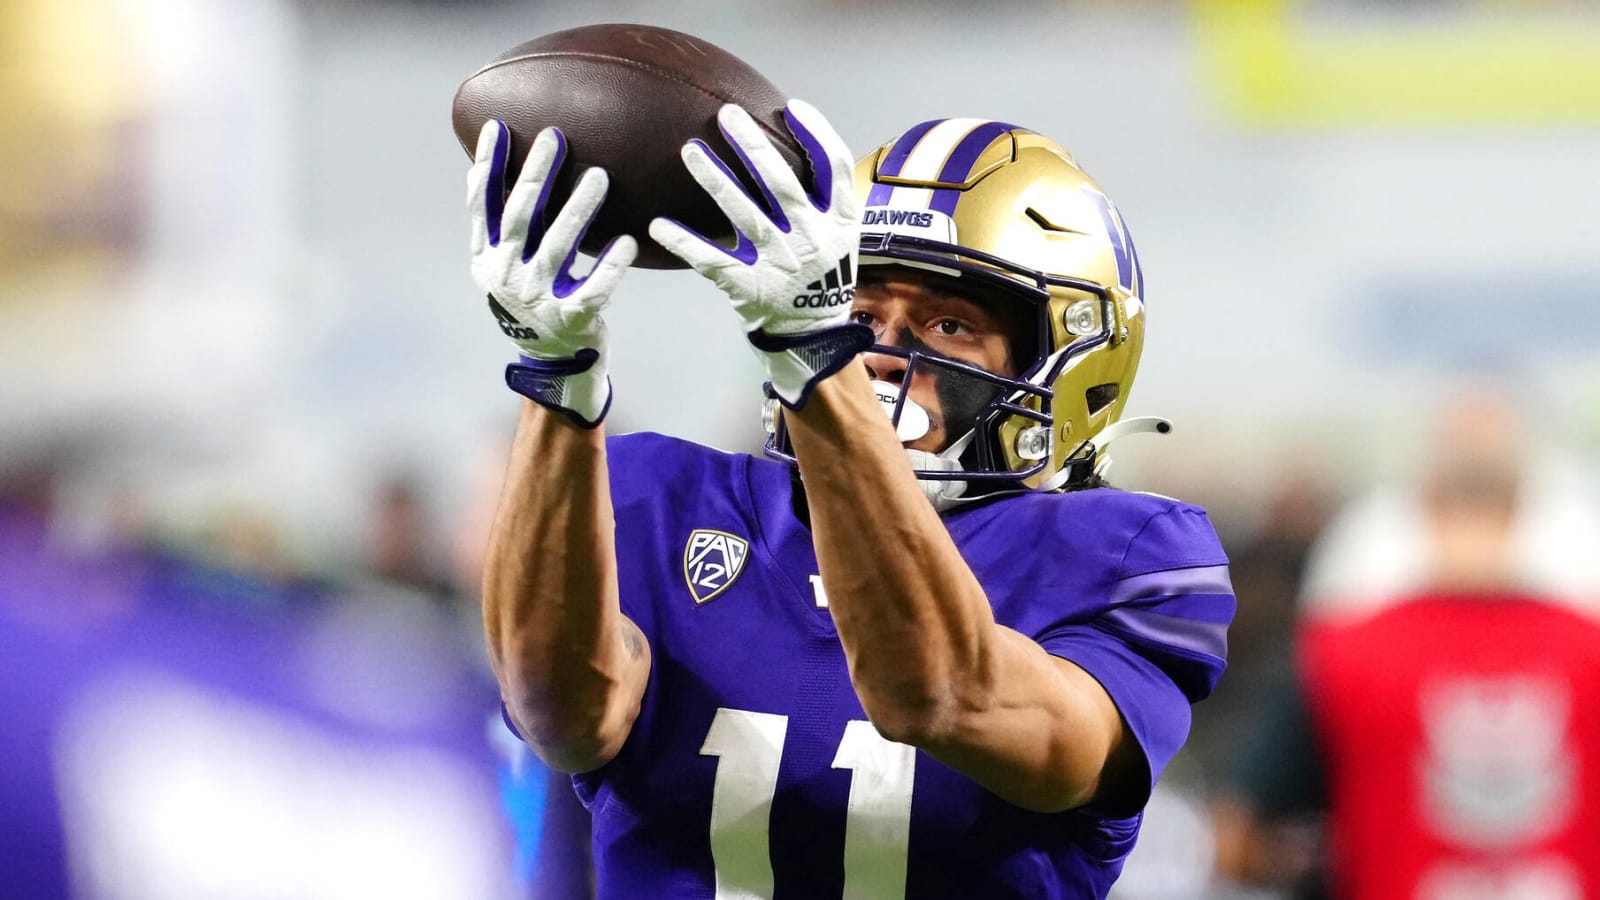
[
  {"x": 791, "y": 276},
  {"x": 526, "y": 269}
]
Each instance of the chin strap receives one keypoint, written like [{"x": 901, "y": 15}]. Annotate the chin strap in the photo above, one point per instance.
[
  {"x": 911, "y": 422},
  {"x": 1092, "y": 453},
  {"x": 942, "y": 494}
]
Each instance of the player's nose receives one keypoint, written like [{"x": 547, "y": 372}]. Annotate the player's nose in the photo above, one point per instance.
[{"x": 886, "y": 366}]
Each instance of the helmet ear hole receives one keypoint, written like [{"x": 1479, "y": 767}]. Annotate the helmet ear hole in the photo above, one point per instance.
[{"x": 1100, "y": 396}]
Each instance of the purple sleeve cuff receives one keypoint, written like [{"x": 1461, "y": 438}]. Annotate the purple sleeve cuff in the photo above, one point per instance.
[{"x": 1156, "y": 711}]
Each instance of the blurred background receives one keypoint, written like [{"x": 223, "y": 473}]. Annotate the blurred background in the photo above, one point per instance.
[{"x": 252, "y": 425}]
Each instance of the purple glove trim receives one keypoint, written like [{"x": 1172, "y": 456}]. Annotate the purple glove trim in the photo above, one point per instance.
[
  {"x": 773, "y": 208},
  {"x": 825, "y": 351},
  {"x": 494, "y": 201},
  {"x": 563, "y": 284},
  {"x": 540, "y": 381},
  {"x": 821, "y": 167},
  {"x": 581, "y": 362},
  {"x": 536, "y": 224},
  {"x": 744, "y": 251}
]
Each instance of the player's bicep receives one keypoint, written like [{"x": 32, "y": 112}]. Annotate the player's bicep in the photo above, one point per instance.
[{"x": 1046, "y": 734}]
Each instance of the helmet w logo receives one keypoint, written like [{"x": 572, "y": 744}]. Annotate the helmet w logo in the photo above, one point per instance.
[
  {"x": 711, "y": 561},
  {"x": 1130, "y": 275}
]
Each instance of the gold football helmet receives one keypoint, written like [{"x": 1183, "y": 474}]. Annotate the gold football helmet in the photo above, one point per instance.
[{"x": 1011, "y": 209}]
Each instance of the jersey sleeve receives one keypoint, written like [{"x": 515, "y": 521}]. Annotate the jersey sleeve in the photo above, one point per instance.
[{"x": 1158, "y": 641}]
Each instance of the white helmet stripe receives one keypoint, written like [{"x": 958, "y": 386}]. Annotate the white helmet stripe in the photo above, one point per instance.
[{"x": 928, "y": 157}]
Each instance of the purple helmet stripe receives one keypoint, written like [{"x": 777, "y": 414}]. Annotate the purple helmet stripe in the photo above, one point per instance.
[
  {"x": 1138, "y": 269},
  {"x": 895, "y": 160},
  {"x": 945, "y": 201},
  {"x": 880, "y": 193},
  {"x": 958, "y": 166},
  {"x": 896, "y": 157},
  {"x": 1114, "y": 231}
]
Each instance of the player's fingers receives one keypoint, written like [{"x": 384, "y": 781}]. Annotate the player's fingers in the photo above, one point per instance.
[
  {"x": 555, "y": 252},
  {"x": 486, "y": 181},
  {"x": 478, "y": 187},
  {"x": 524, "y": 216},
  {"x": 696, "y": 250},
  {"x": 766, "y": 164},
  {"x": 832, "y": 165},
  {"x": 609, "y": 268},
  {"x": 719, "y": 183}
]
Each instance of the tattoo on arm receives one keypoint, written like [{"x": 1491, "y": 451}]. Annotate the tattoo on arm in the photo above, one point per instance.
[{"x": 632, "y": 640}]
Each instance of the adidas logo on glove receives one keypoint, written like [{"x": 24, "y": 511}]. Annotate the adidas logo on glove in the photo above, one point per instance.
[
  {"x": 509, "y": 324},
  {"x": 838, "y": 287}
]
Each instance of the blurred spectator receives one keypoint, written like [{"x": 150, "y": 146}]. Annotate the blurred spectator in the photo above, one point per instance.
[
  {"x": 178, "y": 729},
  {"x": 1445, "y": 720},
  {"x": 1174, "y": 859},
  {"x": 1267, "y": 568},
  {"x": 402, "y": 550}
]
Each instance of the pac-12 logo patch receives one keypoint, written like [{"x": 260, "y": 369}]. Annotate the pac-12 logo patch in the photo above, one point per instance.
[{"x": 711, "y": 561}]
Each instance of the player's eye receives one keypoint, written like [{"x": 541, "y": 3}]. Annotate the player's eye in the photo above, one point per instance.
[
  {"x": 862, "y": 317},
  {"x": 951, "y": 327}
]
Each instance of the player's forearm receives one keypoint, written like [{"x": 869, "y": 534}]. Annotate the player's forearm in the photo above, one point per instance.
[
  {"x": 927, "y": 659},
  {"x": 571, "y": 667},
  {"x": 915, "y": 624}
]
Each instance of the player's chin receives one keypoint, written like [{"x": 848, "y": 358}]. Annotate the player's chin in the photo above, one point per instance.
[{"x": 935, "y": 441}]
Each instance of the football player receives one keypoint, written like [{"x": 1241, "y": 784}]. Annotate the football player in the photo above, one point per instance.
[{"x": 799, "y": 677}]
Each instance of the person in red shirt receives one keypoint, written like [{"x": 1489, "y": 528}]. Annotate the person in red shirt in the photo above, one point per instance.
[{"x": 1447, "y": 728}]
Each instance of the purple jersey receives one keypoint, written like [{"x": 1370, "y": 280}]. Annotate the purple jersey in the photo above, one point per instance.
[{"x": 752, "y": 771}]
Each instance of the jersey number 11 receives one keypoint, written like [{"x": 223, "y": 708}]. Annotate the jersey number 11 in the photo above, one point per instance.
[{"x": 748, "y": 746}]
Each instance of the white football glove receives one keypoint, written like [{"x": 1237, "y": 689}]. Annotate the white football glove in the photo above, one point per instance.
[
  {"x": 526, "y": 270},
  {"x": 791, "y": 276}
]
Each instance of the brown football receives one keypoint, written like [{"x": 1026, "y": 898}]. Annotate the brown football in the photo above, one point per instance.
[{"x": 627, "y": 97}]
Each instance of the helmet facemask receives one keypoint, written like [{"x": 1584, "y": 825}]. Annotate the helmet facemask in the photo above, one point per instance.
[{"x": 975, "y": 404}]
